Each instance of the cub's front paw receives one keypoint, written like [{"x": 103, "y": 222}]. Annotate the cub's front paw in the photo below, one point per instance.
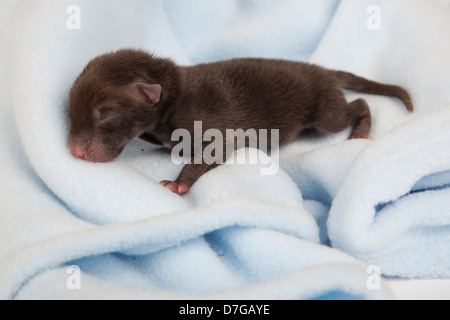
[{"x": 175, "y": 187}]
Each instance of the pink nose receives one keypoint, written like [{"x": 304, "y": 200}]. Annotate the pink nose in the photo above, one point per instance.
[{"x": 77, "y": 152}]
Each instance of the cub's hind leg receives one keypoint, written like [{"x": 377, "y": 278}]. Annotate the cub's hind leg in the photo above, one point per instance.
[
  {"x": 363, "y": 123},
  {"x": 337, "y": 115}
]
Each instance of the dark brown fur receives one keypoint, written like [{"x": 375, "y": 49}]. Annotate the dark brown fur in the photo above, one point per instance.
[{"x": 109, "y": 107}]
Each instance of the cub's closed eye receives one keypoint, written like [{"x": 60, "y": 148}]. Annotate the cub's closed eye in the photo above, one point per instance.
[{"x": 106, "y": 115}]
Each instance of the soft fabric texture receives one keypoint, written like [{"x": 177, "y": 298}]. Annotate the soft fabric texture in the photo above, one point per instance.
[{"x": 335, "y": 215}]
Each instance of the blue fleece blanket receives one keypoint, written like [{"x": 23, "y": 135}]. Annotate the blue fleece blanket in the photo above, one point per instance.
[{"x": 336, "y": 216}]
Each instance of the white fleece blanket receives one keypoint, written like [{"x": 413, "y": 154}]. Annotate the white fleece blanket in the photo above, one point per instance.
[{"x": 336, "y": 215}]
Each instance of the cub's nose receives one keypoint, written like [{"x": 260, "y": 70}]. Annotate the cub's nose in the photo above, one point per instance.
[{"x": 77, "y": 152}]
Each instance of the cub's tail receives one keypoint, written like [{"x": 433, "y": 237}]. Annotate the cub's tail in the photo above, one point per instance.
[{"x": 355, "y": 83}]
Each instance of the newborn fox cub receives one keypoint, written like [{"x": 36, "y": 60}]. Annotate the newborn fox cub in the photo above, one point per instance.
[{"x": 130, "y": 93}]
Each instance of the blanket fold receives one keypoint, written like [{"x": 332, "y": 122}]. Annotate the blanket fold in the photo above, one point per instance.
[{"x": 393, "y": 208}]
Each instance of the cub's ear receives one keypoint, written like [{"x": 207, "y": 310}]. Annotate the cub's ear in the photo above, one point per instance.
[{"x": 149, "y": 92}]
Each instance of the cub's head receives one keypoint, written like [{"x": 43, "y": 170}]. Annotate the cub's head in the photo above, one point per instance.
[{"x": 113, "y": 101}]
